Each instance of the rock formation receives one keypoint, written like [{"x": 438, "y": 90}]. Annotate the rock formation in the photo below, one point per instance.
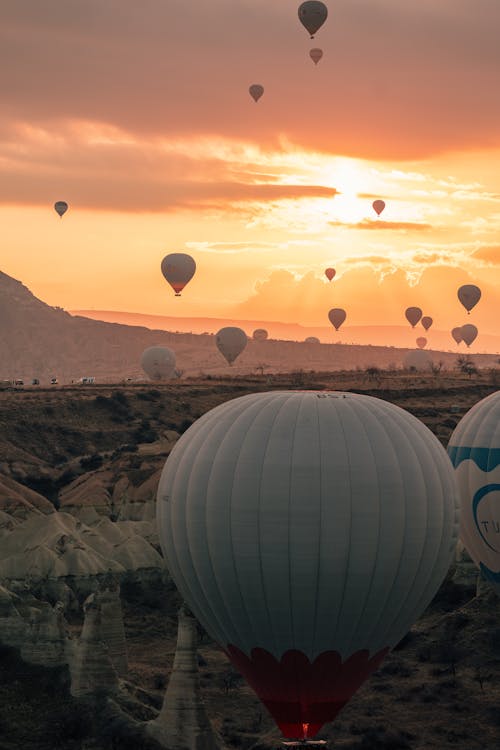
[
  {"x": 112, "y": 630},
  {"x": 91, "y": 667}
]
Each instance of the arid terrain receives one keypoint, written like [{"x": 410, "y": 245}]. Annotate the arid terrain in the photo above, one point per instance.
[{"x": 91, "y": 456}]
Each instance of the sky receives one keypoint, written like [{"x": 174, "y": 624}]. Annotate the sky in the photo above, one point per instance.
[{"x": 138, "y": 115}]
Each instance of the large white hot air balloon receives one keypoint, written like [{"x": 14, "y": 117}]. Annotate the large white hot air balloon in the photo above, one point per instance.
[
  {"x": 307, "y": 531},
  {"x": 413, "y": 315},
  {"x": 256, "y": 91},
  {"x": 260, "y": 334},
  {"x": 230, "y": 342},
  {"x": 312, "y": 16},
  {"x": 178, "y": 269},
  {"x": 378, "y": 206},
  {"x": 316, "y": 54},
  {"x": 158, "y": 362},
  {"x": 474, "y": 449},
  {"x": 336, "y": 316},
  {"x": 469, "y": 295},
  {"x": 60, "y": 207},
  {"x": 469, "y": 333}
]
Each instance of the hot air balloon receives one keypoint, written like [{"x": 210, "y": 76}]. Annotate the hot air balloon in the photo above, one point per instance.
[
  {"x": 178, "y": 269},
  {"x": 469, "y": 295},
  {"x": 330, "y": 273},
  {"x": 316, "y": 54},
  {"x": 336, "y": 317},
  {"x": 417, "y": 359},
  {"x": 378, "y": 206},
  {"x": 421, "y": 342},
  {"x": 307, "y": 531},
  {"x": 312, "y": 340},
  {"x": 256, "y": 91},
  {"x": 457, "y": 334},
  {"x": 469, "y": 333},
  {"x": 312, "y": 16},
  {"x": 474, "y": 449},
  {"x": 413, "y": 315},
  {"x": 260, "y": 334},
  {"x": 60, "y": 208},
  {"x": 230, "y": 342},
  {"x": 158, "y": 362},
  {"x": 426, "y": 322}
]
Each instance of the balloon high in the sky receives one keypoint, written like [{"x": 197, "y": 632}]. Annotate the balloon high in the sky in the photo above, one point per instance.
[
  {"x": 307, "y": 531},
  {"x": 256, "y": 91},
  {"x": 312, "y": 15},
  {"x": 469, "y": 295},
  {"x": 260, "y": 334},
  {"x": 178, "y": 269},
  {"x": 378, "y": 206},
  {"x": 60, "y": 207},
  {"x": 158, "y": 362},
  {"x": 421, "y": 342},
  {"x": 330, "y": 273},
  {"x": 316, "y": 54},
  {"x": 469, "y": 333},
  {"x": 457, "y": 334},
  {"x": 413, "y": 315},
  {"x": 336, "y": 316},
  {"x": 230, "y": 342},
  {"x": 474, "y": 449},
  {"x": 426, "y": 322}
]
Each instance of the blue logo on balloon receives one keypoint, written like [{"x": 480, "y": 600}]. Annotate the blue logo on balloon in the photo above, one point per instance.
[{"x": 491, "y": 525}]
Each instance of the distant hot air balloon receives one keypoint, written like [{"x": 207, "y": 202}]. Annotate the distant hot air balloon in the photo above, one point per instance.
[
  {"x": 421, "y": 342},
  {"x": 469, "y": 333},
  {"x": 457, "y": 334},
  {"x": 417, "y": 359},
  {"x": 413, "y": 315},
  {"x": 60, "y": 208},
  {"x": 378, "y": 206},
  {"x": 312, "y": 340},
  {"x": 178, "y": 269},
  {"x": 426, "y": 322},
  {"x": 260, "y": 334},
  {"x": 336, "y": 317},
  {"x": 330, "y": 273},
  {"x": 158, "y": 362},
  {"x": 307, "y": 531},
  {"x": 256, "y": 91},
  {"x": 312, "y": 16},
  {"x": 316, "y": 54},
  {"x": 469, "y": 295},
  {"x": 230, "y": 342},
  {"x": 474, "y": 449}
]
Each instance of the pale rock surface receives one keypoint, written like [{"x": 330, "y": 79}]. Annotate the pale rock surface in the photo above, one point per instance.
[
  {"x": 112, "y": 629},
  {"x": 45, "y": 641},
  {"x": 88, "y": 497},
  {"x": 91, "y": 667}
]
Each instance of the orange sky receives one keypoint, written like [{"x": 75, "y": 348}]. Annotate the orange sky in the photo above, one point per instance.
[{"x": 138, "y": 115}]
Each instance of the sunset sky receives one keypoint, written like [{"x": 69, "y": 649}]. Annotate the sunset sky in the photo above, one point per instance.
[{"x": 138, "y": 115}]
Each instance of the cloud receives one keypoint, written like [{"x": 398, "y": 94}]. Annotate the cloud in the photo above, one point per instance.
[
  {"x": 489, "y": 254},
  {"x": 380, "y": 224}
]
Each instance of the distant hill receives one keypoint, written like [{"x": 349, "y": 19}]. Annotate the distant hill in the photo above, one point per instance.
[{"x": 37, "y": 340}]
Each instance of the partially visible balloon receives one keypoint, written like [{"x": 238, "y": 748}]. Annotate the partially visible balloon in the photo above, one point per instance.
[
  {"x": 230, "y": 342},
  {"x": 316, "y": 54},
  {"x": 60, "y": 207},
  {"x": 469, "y": 295},
  {"x": 312, "y": 16},
  {"x": 256, "y": 91},
  {"x": 474, "y": 449},
  {"x": 312, "y": 340},
  {"x": 307, "y": 531},
  {"x": 426, "y": 322},
  {"x": 417, "y": 359},
  {"x": 158, "y": 362},
  {"x": 378, "y": 206},
  {"x": 336, "y": 317},
  {"x": 457, "y": 334},
  {"x": 330, "y": 273},
  {"x": 413, "y": 315},
  {"x": 421, "y": 342},
  {"x": 260, "y": 334},
  {"x": 469, "y": 333},
  {"x": 178, "y": 269}
]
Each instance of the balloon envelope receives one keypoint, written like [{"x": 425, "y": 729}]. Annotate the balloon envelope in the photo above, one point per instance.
[
  {"x": 330, "y": 273},
  {"x": 426, "y": 322},
  {"x": 421, "y": 342},
  {"x": 474, "y": 449},
  {"x": 230, "y": 342},
  {"x": 256, "y": 91},
  {"x": 307, "y": 531},
  {"x": 378, "y": 206},
  {"x": 469, "y": 333},
  {"x": 316, "y": 54},
  {"x": 158, "y": 362},
  {"x": 457, "y": 334},
  {"x": 336, "y": 317},
  {"x": 260, "y": 334},
  {"x": 312, "y": 15},
  {"x": 312, "y": 340},
  {"x": 417, "y": 359},
  {"x": 178, "y": 269},
  {"x": 413, "y": 315},
  {"x": 60, "y": 207},
  {"x": 469, "y": 295}
]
